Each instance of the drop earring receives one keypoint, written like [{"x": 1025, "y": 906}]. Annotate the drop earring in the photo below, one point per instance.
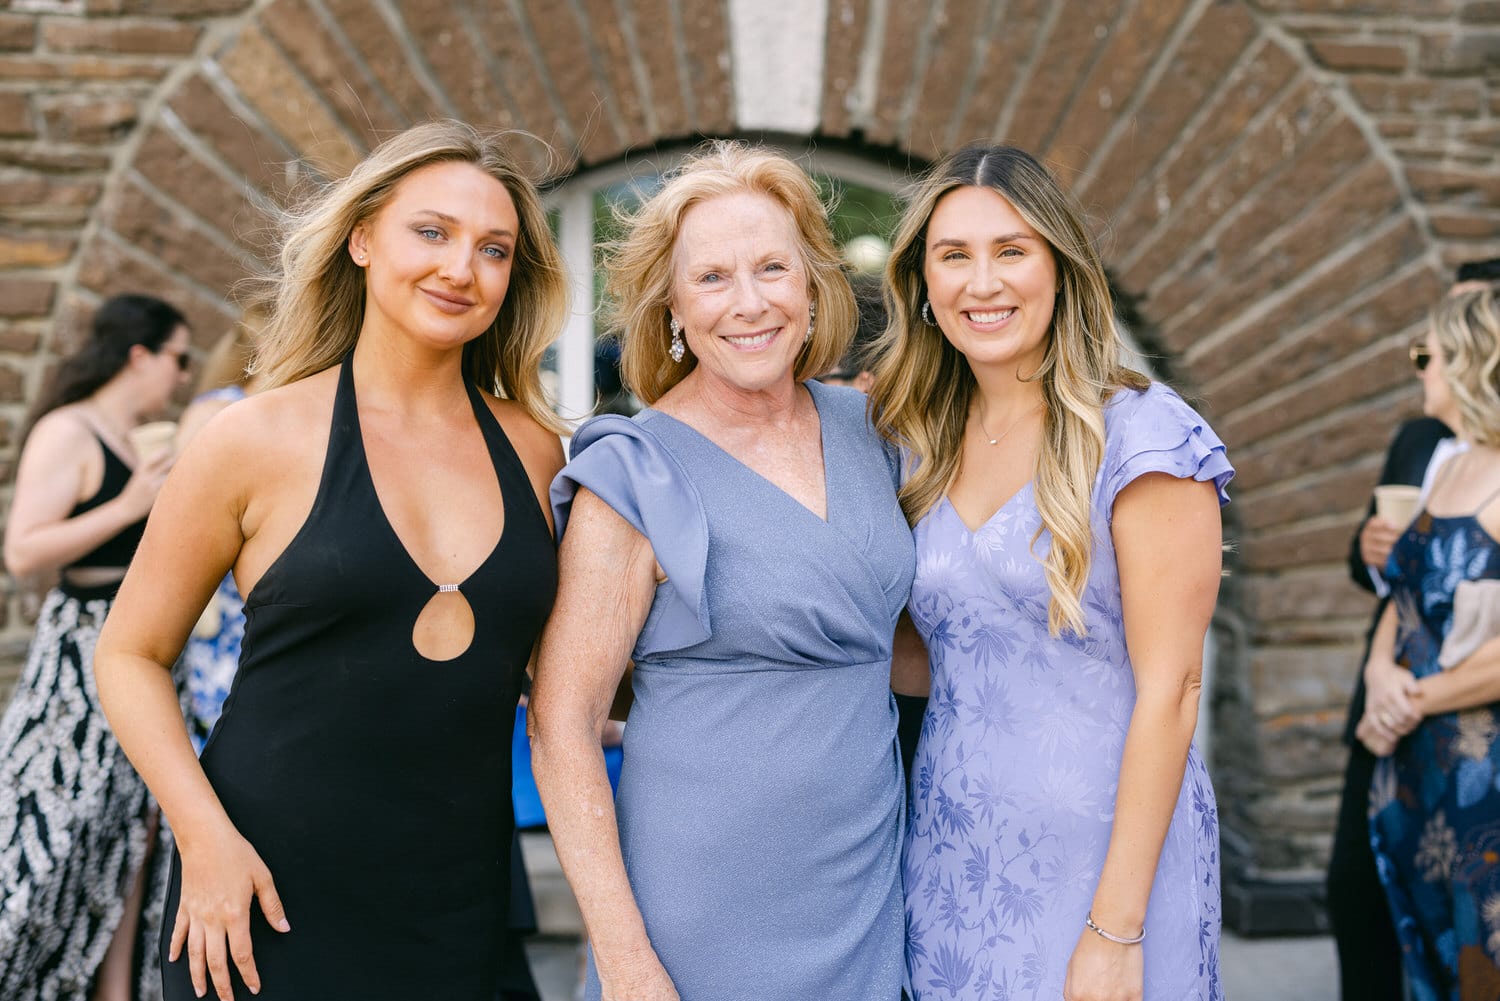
[
  {"x": 678, "y": 346},
  {"x": 927, "y": 313},
  {"x": 812, "y": 320}
]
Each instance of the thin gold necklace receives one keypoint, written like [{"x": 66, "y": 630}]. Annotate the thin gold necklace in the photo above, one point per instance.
[{"x": 997, "y": 439}]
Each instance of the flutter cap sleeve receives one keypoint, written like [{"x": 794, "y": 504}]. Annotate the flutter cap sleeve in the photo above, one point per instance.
[
  {"x": 630, "y": 470},
  {"x": 1156, "y": 432}
]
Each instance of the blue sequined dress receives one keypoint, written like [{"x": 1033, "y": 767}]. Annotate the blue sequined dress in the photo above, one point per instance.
[
  {"x": 760, "y": 799},
  {"x": 1435, "y": 803}
]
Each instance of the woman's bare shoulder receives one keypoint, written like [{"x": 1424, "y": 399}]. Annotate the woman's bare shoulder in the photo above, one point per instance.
[
  {"x": 273, "y": 428},
  {"x": 539, "y": 448}
]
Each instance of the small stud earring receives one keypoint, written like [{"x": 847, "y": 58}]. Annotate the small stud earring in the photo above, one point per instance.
[{"x": 678, "y": 346}]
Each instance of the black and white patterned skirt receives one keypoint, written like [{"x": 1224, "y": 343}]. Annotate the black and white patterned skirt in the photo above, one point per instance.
[{"x": 74, "y": 818}]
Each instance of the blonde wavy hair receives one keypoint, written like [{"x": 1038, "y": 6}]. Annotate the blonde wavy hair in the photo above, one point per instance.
[
  {"x": 1466, "y": 329},
  {"x": 318, "y": 292},
  {"x": 923, "y": 385},
  {"x": 229, "y": 360},
  {"x": 639, "y": 265}
]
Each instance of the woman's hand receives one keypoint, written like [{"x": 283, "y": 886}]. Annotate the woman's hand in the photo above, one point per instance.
[
  {"x": 219, "y": 879},
  {"x": 144, "y": 484},
  {"x": 641, "y": 978},
  {"x": 1378, "y": 740},
  {"x": 1101, "y": 970},
  {"x": 1389, "y": 693},
  {"x": 1376, "y": 540}
]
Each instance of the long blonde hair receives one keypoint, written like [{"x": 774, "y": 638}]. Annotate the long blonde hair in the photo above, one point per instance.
[
  {"x": 319, "y": 292},
  {"x": 639, "y": 266},
  {"x": 229, "y": 360},
  {"x": 1466, "y": 328},
  {"x": 923, "y": 385}
]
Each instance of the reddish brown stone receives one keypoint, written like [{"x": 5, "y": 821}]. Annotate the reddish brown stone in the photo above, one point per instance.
[
  {"x": 940, "y": 93},
  {"x": 1345, "y": 488},
  {"x": 150, "y": 226},
  {"x": 1197, "y": 70},
  {"x": 19, "y": 337},
  {"x": 522, "y": 78},
  {"x": 1480, "y": 12},
  {"x": 1312, "y": 593},
  {"x": 149, "y": 38},
  {"x": 106, "y": 269},
  {"x": 382, "y": 52},
  {"x": 606, "y": 35},
  {"x": 34, "y": 250},
  {"x": 848, "y": 23},
  {"x": 15, "y": 115},
  {"x": 898, "y": 54},
  {"x": 1111, "y": 82},
  {"x": 1465, "y": 225},
  {"x": 87, "y": 118},
  {"x": 270, "y": 85},
  {"x": 1388, "y": 57},
  {"x": 12, "y": 384},
  {"x": 47, "y": 199},
  {"x": 244, "y": 147},
  {"x": 17, "y": 32},
  {"x": 1002, "y": 57},
  {"x": 167, "y": 8},
  {"x": 1351, "y": 8},
  {"x": 1468, "y": 51},
  {"x": 203, "y": 191},
  {"x": 78, "y": 68},
  {"x": 1454, "y": 187},
  {"x": 458, "y": 66},
  {"x": 23, "y": 297},
  {"x": 564, "y": 50},
  {"x": 657, "y": 46},
  {"x": 705, "y": 30},
  {"x": 1079, "y": 31}
]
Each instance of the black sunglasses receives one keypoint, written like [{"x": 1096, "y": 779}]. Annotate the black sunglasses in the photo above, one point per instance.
[
  {"x": 184, "y": 358},
  {"x": 1419, "y": 356}
]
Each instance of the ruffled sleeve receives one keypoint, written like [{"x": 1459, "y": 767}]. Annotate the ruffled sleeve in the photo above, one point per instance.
[
  {"x": 630, "y": 470},
  {"x": 1156, "y": 432}
]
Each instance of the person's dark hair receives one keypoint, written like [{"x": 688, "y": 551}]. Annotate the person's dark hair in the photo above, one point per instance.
[
  {"x": 870, "y": 303},
  {"x": 120, "y": 324},
  {"x": 1478, "y": 271}
]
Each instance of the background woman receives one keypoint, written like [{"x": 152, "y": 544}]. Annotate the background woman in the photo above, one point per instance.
[
  {"x": 73, "y": 813},
  {"x": 740, "y": 542},
  {"x": 212, "y": 653},
  {"x": 1435, "y": 811},
  {"x": 1066, "y": 515},
  {"x": 347, "y": 832}
]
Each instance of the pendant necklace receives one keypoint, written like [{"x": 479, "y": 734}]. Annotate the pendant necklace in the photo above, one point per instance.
[{"x": 997, "y": 439}]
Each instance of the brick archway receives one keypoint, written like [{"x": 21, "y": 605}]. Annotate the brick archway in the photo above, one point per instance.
[{"x": 1282, "y": 184}]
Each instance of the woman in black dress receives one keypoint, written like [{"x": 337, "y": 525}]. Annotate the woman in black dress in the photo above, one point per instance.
[
  {"x": 75, "y": 820},
  {"x": 348, "y": 831}
]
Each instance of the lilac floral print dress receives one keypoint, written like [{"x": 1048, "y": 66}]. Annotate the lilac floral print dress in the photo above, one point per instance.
[{"x": 1015, "y": 777}]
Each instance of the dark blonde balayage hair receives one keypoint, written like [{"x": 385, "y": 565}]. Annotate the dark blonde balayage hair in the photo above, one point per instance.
[
  {"x": 924, "y": 386},
  {"x": 1466, "y": 328},
  {"x": 318, "y": 292},
  {"x": 639, "y": 266}
]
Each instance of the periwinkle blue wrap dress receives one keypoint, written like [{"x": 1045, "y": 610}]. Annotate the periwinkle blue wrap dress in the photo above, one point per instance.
[{"x": 760, "y": 801}]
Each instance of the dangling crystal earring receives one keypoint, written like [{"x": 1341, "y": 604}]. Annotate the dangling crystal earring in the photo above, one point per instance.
[
  {"x": 678, "y": 347},
  {"x": 927, "y": 313},
  {"x": 812, "y": 320}
]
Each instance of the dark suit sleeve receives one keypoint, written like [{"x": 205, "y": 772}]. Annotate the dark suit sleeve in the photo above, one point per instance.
[{"x": 1405, "y": 462}]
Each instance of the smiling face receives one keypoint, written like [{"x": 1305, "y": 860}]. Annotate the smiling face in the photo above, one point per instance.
[
  {"x": 437, "y": 256},
  {"x": 992, "y": 280},
  {"x": 740, "y": 290}
]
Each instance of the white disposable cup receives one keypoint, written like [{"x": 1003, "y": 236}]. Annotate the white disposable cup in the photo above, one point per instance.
[
  {"x": 150, "y": 440},
  {"x": 1397, "y": 503}
]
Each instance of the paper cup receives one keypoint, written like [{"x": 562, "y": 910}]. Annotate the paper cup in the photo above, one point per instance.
[
  {"x": 1397, "y": 503},
  {"x": 152, "y": 439}
]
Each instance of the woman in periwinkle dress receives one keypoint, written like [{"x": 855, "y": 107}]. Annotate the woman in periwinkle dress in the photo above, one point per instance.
[
  {"x": 1066, "y": 515},
  {"x": 741, "y": 542}
]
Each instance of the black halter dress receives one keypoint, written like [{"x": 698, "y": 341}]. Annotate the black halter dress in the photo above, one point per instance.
[{"x": 375, "y": 783}]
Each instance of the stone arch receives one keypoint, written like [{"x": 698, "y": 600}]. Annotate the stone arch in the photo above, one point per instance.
[{"x": 1282, "y": 185}]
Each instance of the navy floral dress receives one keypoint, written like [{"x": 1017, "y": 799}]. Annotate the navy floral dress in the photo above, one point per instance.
[{"x": 1435, "y": 803}]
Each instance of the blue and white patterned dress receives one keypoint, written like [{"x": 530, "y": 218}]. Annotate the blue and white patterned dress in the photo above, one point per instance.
[
  {"x": 1016, "y": 774},
  {"x": 1435, "y": 803}
]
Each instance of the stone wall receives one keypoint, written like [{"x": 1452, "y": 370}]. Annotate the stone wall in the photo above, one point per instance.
[{"x": 1282, "y": 187}]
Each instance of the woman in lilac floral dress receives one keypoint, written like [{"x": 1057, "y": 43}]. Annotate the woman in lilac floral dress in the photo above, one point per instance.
[{"x": 1063, "y": 839}]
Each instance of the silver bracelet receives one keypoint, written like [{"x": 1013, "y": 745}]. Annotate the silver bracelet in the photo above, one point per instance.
[{"x": 1089, "y": 923}]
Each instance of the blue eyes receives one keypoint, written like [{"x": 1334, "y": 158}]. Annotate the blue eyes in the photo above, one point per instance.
[
  {"x": 715, "y": 277},
  {"x": 432, "y": 234}
]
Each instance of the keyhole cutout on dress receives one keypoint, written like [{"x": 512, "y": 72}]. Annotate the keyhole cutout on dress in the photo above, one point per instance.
[{"x": 445, "y": 627}]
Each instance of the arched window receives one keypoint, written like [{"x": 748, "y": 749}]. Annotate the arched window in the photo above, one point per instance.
[{"x": 582, "y": 209}]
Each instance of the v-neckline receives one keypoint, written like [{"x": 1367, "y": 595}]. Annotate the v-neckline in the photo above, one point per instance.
[
  {"x": 993, "y": 514},
  {"x": 827, "y": 516},
  {"x": 385, "y": 518}
]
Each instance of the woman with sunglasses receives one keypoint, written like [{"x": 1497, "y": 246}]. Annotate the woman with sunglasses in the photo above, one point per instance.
[
  {"x": 1432, "y": 714},
  {"x": 74, "y": 816}
]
